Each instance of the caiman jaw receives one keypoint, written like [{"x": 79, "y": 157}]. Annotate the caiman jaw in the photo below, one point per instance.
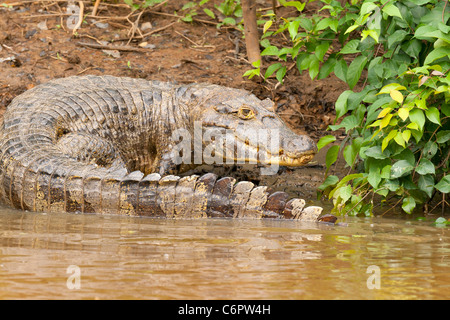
[
  {"x": 285, "y": 160},
  {"x": 280, "y": 159}
]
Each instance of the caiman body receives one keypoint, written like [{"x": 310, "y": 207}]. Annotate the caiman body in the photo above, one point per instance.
[{"x": 105, "y": 145}]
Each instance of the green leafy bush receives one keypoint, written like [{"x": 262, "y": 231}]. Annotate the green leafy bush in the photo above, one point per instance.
[{"x": 395, "y": 57}]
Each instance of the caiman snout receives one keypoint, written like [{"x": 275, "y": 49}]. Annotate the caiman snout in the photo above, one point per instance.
[{"x": 297, "y": 150}]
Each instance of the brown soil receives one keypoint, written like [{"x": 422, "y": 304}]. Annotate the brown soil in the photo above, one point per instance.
[{"x": 176, "y": 51}]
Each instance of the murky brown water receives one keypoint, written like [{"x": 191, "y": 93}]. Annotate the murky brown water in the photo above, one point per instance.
[{"x": 142, "y": 258}]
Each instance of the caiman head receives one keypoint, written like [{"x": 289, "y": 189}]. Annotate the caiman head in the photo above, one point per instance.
[{"x": 238, "y": 127}]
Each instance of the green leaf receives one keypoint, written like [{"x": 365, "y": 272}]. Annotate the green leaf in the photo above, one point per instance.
[
  {"x": 341, "y": 104},
  {"x": 392, "y": 184},
  {"x": 399, "y": 139},
  {"x": 413, "y": 48},
  {"x": 350, "y": 177},
  {"x": 350, "y": 47},
  {"x": 293, "y": 28},
  {"x": 340, "y": 70},
  {"x": 445, "y": 108},
  {"x": 408, "y": 204},
  {"x": 437, "y": 54},
  {"x": 391, "y": 10},
  {"x": 375, "y": 152},
  {"x": 330, "y": 181},
  {"x": 412, "y": 125},
  {"x": 271, "y": 69},
  {"x": 270, "y": 51},
  {"x": 388, "y": 138},
  {"x": 267, "y": 25},
  {"x": 444, "y": 185},
  {"x": 257, "y": 63},
  {"x": 349, "y": 122},
  {"x": 406, "y": 155},
  {"x": 297, "y": 4},
  {"x": 367, "y": 7},
  {"x": 251, "y": 73},
  {"x": 386, "y": 172},
  {"x": 303, "y": 61},
  {"x": 443, "y": 136},
  {"x": 314, "y": 67},
  {"x": 392, "y": 86},
  {"x": 306, "y": 24},
  {"x": 432, "y": 114},
  {"x": 426, "y": 184},
  {"x": 401, "y": 168},
  {"x": 325, "y": 141},
  {"x": 345, "y": 193},
  {"x": 229, "y": 21},
  {"x": 406, "y": 135},
  {"x": 327, "y": 68},
  {"x": 209, "y": 13},
  {"x": 417, "y": 116},
  {"x": 331, "y": 156},
  {"x": 351, "y": 28},
  {"x": 397, "y": 36},
  {"x": 425, "y": 167},
  {"x": 327, "y": 23},
  {"x": 355, "y": 69},
  {"x": 425, "y": 31},
  {"x": 321, "y": 50},
  {"x": 385, "y": 121},
  {"x": 430, "y": 149},
  {"x": 280, "y": 74},
  {"x": 370, "y": 33},
  {"x": 374, "y": 178},
  {"x": 351, "y": 151}
]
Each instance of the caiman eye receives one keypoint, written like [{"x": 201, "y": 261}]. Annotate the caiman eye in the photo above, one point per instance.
[{"x": 246, "y": 113}]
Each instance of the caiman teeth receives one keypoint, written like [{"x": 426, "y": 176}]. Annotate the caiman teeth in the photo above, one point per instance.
[
  {"x": 285, "y": 160},
  {"x": 282, "y": 158}
]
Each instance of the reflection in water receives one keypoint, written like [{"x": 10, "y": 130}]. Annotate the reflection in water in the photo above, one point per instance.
[{"x": 143, "y": 258}]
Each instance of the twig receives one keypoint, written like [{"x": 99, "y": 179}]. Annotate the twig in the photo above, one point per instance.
[
  {"x": 94, "y": 11},
  {"x": 443, "y": 11},
  {"x": 191, "y": 41},
  {"x": 58, "y": 57},
  {"x": 158, "y": 30},
  {"x": 109, "y": 47},
  {"x": 69, "y": 14},
  {"x": 134, "y": 26},
  {"x": 393, "y": 206},
  {"x": 84, "y": 70},
  {"x": 90, "y": 37},
  {"x": 80, "y": 17}
]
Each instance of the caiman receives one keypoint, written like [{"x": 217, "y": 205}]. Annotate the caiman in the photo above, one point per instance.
[{"x": 93, "y": 144}]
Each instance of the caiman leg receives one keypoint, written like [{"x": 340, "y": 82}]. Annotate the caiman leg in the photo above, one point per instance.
[{"x": 90, "y": 149}]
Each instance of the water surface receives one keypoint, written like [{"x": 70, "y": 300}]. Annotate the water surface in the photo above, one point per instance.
[{"x": 115, "y": 257}]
